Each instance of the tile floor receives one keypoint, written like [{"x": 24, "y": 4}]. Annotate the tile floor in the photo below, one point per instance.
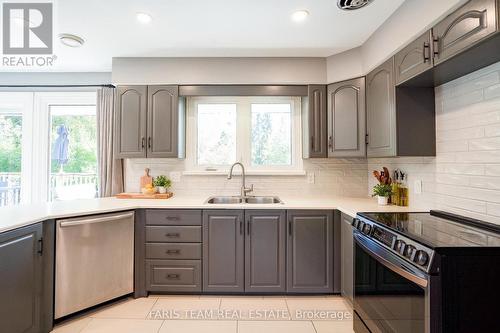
[{"x": 216, "y": 314}]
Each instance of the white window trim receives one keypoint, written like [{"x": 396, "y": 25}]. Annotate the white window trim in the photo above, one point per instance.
[
  {"x": 43, "y": 101},
  {"x": 243, "y": 144},
  {"x": 22, "y": 103}
]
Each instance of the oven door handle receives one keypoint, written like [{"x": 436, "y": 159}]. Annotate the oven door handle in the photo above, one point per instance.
[{"x": 390, "y": 261}]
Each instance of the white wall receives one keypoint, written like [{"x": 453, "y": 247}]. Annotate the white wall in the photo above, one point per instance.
[
  {"x": 345, "y": 65},
  {"x": 219, "y": 70},
  {"x": 464, "y": 177},
  {"x": 55, "y": 78}
]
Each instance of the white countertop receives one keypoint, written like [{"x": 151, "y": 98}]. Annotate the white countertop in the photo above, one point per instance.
[{"x": 22, "y": 215}]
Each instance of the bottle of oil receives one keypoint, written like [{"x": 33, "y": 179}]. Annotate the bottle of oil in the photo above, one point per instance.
[
  {"x": 395, "y": 188},
  {"x": 403, "y": 190}
]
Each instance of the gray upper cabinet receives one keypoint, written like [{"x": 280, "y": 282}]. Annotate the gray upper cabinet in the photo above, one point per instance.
[
  {"x": 413, "y": 59},
  {"x": 346, "y": 118},
  {"x": 163, "y": 104},
  {"x": 310, "y": 251},
  {"x": 347, "y": 255},
  {"x": 314, "y": 123},
  {"x": 21, "y": 279},
  {"x": 130, "y": 122},
  {"x": 150, "y": 122},
  {"x": 471, "y": 23},
  {"x": 265, "y": 251},
  {"x": 381, "y": 111},
  {"x": 223, "y": 251}
]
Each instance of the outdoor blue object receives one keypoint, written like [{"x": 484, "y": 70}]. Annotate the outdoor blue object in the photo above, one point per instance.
[{"x": 60, "y": 147}]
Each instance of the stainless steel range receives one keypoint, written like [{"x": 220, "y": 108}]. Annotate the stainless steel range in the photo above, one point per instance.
[{"x": 425, "y": 272}]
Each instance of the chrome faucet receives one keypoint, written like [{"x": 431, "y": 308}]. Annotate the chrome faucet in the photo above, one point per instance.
[{"x": 244, "y": 189}]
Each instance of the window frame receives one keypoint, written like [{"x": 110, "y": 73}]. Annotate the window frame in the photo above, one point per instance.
[{"x": 243, "y": 135}]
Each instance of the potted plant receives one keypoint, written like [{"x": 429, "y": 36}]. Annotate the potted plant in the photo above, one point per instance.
[
  {"x": 383, "y": 189},
  {"x": 383, "y": 192},
  {"x": 162, "y": 183}
]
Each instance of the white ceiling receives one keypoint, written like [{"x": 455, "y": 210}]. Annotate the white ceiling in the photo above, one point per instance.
[{"x": 208, "y": 28}]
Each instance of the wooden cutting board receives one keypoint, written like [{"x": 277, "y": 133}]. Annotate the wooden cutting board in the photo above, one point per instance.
[
  {"x": 146, "y": 179},
  {"x": 143, "y": 196}
]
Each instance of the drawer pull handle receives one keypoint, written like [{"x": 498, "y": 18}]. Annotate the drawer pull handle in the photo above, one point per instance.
[
  {"x": 175, "y": 234},
  {"x": 173, "y": 218},
  {"x": 173, "y": 276},
  {"x": 173, "y": 251}
]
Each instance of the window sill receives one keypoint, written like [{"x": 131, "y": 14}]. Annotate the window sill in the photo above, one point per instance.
[{"x": 247, "y": 173}]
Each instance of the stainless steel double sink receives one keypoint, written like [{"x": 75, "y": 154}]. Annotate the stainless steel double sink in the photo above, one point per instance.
[{"x": 225, "y": 200}]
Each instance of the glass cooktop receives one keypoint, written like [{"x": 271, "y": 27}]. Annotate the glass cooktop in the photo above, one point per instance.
[{"x": 439, "y": 229}]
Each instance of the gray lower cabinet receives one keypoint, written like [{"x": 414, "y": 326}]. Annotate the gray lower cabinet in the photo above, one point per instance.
[
  {"x": 265, "y": 247},
  {"x": 21, "y": 280},
  {"x": 346, "y": 118},
  {"x": 130, "y": 121},
  {"x": 381, "y": 111},
  {"x": 314, "y": 123},
  {"x": 414, "y": 59},
  {"x": 347, "y": 258},
  {"x": 223, "y": 251},
  {"x": 173, "y": 250},
  {"x": 310, "y": 251},
  {"x": 173, "y": 275},
  {"x": 468, "y": 25}
]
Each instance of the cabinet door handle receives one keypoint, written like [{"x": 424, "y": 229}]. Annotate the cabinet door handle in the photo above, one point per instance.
[
  {"x": 149, "y": 142},
  {"x": 435, "y": 47},
  {"x": 173, "y": 251},
  {"x": 143, "y": 143},
  {"x": 289, "y": 228},
  {"x": 175, "y": 234},
  {"x": 427, "y": 55},
  {"x": 173, "y": 276},
  {"x": 172, "y": 218},
  {"x": 241, "y": 227},
  {"x": 249, "y": 227}
]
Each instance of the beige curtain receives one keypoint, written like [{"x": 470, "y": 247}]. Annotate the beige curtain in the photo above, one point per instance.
[{"x": 109, "y": 169}]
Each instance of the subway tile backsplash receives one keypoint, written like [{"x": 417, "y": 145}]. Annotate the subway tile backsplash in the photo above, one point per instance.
[
  {"x": 464, "y": 177},
  {"x": 332, "y": 177}
]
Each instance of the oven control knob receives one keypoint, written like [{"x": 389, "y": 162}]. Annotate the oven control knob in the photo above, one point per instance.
[
  {"x": 367, "y": 229},
  {"x": 421, "y": 258},
  {"x": 400, "y": 247},
  {"x": 355, "y": 222},
  {"x": 410, "y": 251},
  {"x": 361, "y": 225}
]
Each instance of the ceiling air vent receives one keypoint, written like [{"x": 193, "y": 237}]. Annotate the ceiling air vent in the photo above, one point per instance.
[{"x": 352, "y": 4}]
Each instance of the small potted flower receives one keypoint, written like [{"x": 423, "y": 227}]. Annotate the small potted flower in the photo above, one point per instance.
[
  {"x": 162, "y": 183},
  {"x": 383, "y": 189},
  {"x": 382, "y": 192}
]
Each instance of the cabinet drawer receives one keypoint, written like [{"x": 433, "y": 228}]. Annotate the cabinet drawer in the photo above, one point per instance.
[
  {"x": 173, "y": 234},
  {"x": 173, "y": 217},
  {"x": 173, "y": 275},
  {"x": 173, "y": 251}
]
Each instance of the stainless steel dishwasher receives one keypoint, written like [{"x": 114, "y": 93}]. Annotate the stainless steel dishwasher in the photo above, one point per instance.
[{"x": 94, "y": 260}]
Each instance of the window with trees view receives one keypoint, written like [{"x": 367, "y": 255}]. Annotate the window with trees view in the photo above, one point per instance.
[
  {"x": 261, "y": 132},
  {"x": 48, "y": 146}
]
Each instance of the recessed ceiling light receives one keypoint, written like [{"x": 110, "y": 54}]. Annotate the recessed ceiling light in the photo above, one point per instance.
[
  {"x": 300, "y": 15},
  {"x": 71, "y": 40},
  {"x": 144, "y": 18}
]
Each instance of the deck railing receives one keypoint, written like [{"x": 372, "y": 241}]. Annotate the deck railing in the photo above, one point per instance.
[{"x": 60, "y": 185}]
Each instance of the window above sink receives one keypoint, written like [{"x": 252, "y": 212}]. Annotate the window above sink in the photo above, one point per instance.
[{"x": 262, "y": 132}]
